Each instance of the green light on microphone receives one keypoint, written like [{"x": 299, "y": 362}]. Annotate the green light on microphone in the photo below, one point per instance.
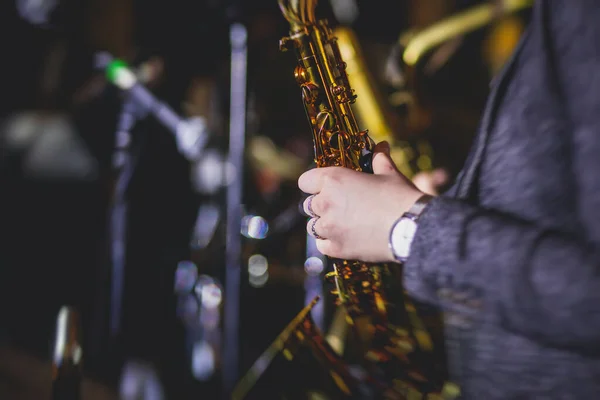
[{"x": 112, "y": 70}]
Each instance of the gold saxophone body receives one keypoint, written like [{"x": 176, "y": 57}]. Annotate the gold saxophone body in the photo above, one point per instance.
[
  {"x": 398, "y": 347},
  {"x": 373, "y": 109}
]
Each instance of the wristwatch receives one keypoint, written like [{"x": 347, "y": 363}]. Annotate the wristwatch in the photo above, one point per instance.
[{"x": 404, "y": 229}]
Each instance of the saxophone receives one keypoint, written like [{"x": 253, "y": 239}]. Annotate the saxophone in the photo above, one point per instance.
[
  {"x": 373, "y": 109},
  {"x": 302, "y": 342},
  {"x": 398, "y": 348}
]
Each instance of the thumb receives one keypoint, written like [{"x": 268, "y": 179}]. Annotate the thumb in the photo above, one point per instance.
[{"x": 382, "y": 162}]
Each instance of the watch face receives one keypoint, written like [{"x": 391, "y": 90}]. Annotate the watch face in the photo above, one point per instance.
[{"x": 402, "y": 237}]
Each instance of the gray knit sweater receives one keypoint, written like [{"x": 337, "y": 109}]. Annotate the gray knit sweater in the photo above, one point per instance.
[{"x": 512, "y": 252}]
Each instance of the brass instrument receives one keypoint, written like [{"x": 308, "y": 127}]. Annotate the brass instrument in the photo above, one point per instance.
[
  {"x": 399, "y": 352},
  {"x": 337, "y": 139},
  {"x": 373, "y": 110},
  {"x": 263, "y": 153},
  {"x": 300, "y": 336},
  {"x": 418, "y": 44}
]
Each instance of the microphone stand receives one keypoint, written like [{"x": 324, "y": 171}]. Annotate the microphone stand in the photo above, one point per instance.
[
  {"x": 191, "y": 136},
  {"x": 233, "y": 245},
  {"x": 125, "y": 163}
]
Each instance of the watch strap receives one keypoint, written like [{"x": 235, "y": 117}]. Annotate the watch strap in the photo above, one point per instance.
[{"x": 419, "y": 205}]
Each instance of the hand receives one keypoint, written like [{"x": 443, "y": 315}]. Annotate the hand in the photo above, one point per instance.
[
  {"x": 353, "y": 212},
  {"x": 430, "y": 182}
]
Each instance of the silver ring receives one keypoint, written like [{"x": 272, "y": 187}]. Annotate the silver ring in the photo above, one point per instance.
[
  {"x": 308, "y": 209},
  {"x": 313, "y": 231}
]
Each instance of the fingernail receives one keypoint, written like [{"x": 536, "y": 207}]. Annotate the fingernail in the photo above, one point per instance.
[{"x": 385, "y": 147}]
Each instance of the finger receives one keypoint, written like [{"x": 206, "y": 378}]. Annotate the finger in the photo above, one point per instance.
[
  {"x": 383, "y": 164},
  {"x": 312, "y": 227},
  {"x": 307, "y": 206},
  {"x": 325, "y": 247},
  {"x": 425, "y": 183},
  {"x": 312, "y": 181},
  {"x": 321, "y": 204},
  {"x": 382, "y": 147}
]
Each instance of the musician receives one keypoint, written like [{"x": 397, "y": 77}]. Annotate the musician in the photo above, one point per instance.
[{"x": 512, "y": 252}]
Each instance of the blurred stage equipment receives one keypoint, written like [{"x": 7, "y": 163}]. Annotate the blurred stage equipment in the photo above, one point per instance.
[
  {"x": 199, "y": 308},
  {"x": 418, "y": 44},
  {"x": 263, "y": 153},
  {"x": 48, "y": 146},
  {"x": 191, "y": 136},
  {"x": 346, "y": 11},
  {"x": 140, "y": 381},
  {"x": 67, "y": 359},
  {"x": 428, "y": 49},
  {"x": 207, "y": 222},
  {"x": 238, "y": 36},
  {"x": 37, "y": 12},
  {"x": 27, "y": 377},
  {"x": 401, "y": 356}
]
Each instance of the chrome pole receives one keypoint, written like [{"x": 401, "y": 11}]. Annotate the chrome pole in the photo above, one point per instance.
[{"x": 233, "y": 245}]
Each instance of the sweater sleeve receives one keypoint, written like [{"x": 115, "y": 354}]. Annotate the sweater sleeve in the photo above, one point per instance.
[{"x": 540, "y": 283}]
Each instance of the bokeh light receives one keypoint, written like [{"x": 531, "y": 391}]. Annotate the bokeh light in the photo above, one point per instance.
[
  {"x": 254, "y": 227},
  {"x": 258, "y": 270},
  {"x": 185, "y": 277},
  {"x": 314, "y": 266},
  {"x": 203, "y": 360}
]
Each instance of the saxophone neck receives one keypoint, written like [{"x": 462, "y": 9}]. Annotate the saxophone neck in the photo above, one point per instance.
[{"x": 299, "y": 13}]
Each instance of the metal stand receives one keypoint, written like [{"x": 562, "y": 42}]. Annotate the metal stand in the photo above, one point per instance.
[
  {"x": 233, "y": 245},
  {"x": 125, "y": 162},
  {"x": 191, "y": 135}
]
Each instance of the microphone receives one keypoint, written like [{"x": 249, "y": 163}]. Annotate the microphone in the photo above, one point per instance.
[{"x": 191, "y": 134}]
